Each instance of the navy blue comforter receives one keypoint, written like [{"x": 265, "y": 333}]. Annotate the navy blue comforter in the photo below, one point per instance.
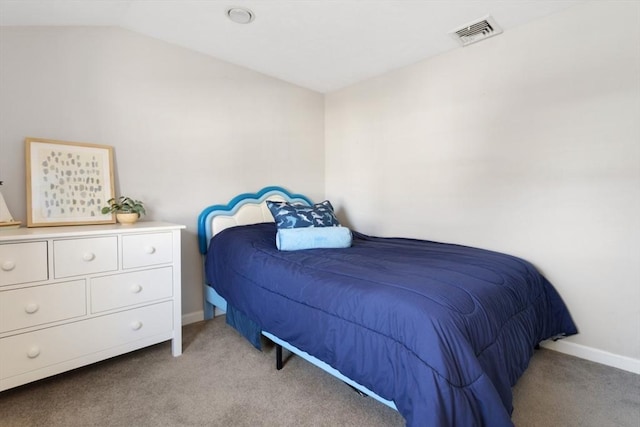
[{"x": 442, "y": 330}]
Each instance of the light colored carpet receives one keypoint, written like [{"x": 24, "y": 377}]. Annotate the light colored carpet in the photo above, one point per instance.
[{"x": 221, "y": 380}]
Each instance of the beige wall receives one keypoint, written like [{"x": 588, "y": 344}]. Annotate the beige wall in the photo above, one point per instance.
[
  {"x": 188, "y": 130},
  {"x": 527, "y": 143}
]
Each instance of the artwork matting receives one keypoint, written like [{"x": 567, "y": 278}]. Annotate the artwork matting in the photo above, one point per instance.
[{"x": 68, "y": 182}]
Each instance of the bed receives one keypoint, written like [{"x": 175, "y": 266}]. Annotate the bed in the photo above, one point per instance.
[{"x": 439, "y": 332}]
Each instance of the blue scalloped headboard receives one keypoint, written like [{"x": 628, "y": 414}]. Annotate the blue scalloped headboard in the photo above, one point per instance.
[{"x": 247, "y": 208}]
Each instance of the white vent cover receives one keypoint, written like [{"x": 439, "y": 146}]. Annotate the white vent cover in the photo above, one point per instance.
[{"x": 475, "y": 31}]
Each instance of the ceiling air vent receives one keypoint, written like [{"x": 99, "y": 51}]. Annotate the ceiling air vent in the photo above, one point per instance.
[{"x": 475, "y": 31}]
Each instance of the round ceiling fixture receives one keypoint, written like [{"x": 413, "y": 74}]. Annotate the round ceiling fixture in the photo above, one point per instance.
[{"x": 240, "y": 15}]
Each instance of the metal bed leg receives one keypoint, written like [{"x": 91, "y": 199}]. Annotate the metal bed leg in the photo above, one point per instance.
[
  {"x": 360, "y": 392},
  {"x": 278, "y": 357}
]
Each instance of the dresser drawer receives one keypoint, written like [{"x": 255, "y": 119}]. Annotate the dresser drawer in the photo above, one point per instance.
[
  {"x": 76, "y": 257},
  {"x": 39, "y": 349},
  {"x": 23, "y": 263},
  {"x": 121, "y": 290},
  {"x": 140, "y": 250},
  {"x": 36, "y": 305}
]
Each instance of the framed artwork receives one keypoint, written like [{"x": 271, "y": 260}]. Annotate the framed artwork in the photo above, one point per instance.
[{"x": 68, "y": 182}]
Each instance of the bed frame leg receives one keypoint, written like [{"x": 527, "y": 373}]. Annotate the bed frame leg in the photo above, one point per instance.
[
  {"x": 209, "y": 310},
  {"x": 278, "y": 357},
  {"x": 360, "y": 392}
]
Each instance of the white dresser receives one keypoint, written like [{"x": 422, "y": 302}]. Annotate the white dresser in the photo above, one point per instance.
[{"x": 71, "y": 296}]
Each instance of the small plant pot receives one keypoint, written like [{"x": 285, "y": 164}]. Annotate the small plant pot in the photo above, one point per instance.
[{"x": 127, "y": 218}]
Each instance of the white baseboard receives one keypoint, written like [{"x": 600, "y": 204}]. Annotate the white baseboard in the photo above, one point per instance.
[
  {"x": 593, "y": 354},
  {"x": 194, "y": 317}
]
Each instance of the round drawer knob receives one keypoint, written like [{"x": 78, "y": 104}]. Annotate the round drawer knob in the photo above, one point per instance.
[
  {"x": 33, "y": 352},
  {"x": 149, "y": 249},
  {"x": 8, "y": 265},
  {"x": 136, "y": 325},
  {"x": 89, "y": 256},
  {"x": 31, "y": 308},
  {"x": 136, "y": 289}
]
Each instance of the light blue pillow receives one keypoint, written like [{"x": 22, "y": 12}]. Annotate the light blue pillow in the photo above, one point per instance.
[
  {"x": 293, "y": 239},
  {"x": 288, "y": 215}
]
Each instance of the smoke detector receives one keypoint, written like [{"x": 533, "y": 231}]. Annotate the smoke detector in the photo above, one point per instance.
[
  {"x": 240, "y": 15},
  {"x": 476, "y": 31}
]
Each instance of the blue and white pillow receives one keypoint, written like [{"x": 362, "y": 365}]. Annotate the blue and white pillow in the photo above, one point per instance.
[{"x": 287, "y": 215}]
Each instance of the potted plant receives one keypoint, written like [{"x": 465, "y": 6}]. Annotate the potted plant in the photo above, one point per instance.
[{"x": 127, "y": 210}]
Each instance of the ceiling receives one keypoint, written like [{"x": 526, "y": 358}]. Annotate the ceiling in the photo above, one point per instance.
[{"x": 323, "y": 45}]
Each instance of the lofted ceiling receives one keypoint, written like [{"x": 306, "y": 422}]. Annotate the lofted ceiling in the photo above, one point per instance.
[{"x": 323, "y": 45}]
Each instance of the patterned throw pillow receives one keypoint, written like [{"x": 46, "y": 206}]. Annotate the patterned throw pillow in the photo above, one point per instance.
[{"x": 289, "y": 215}]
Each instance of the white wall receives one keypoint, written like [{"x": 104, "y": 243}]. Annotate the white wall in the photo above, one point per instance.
[
  {"x": 188, "y": 130},
  {"x": 527, "y": 143}
]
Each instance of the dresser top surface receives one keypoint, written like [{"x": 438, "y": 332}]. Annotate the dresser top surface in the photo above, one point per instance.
[{"x": 85, "y": 230}]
